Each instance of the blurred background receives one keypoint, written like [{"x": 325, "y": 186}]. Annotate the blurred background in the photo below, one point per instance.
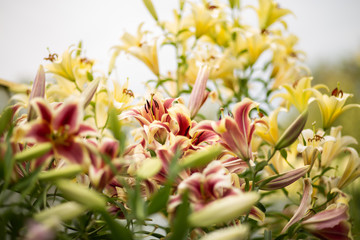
[{"x": 327, "y": 29}]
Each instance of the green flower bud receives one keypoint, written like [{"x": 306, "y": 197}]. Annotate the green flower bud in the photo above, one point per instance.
[
  {"x": 202, "y": 157},
  {"x": 293, "y": 131},
  {"x": 151, "y": 9},
  {"x": 223, "y": 210},
  {"x": 79, "y": 193},
  {"x": 63, "y": 212},
  {"x": 149, "y": 168},
  {"x": 237, "y": 232},
  {"x": 66, "y": 172},
  {"x": 34, "y": 152}
]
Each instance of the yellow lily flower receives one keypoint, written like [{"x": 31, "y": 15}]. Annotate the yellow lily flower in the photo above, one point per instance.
[
  {"x": 201, "y": 18},
  {"x": 269, "y": 12},
  {"x": 138, "y": 47},
  {"x": 299, "y": 93},
  {"x": 256, "y": 44},
  {"x": 269, "y": 132},
  {"x": 332, "y": 106},
  {"x": 72, "y": 68},
  {"x": 352, "y": 170}
]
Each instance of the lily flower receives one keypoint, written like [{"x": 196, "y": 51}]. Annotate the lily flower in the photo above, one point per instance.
[
  {"x": 332, "y": 149},
  {"x": 310, "y": 145},
  {"x": 352, "y": 169},
  {"x": 299, "y": 93},
  {"x": 303, "y": 207},
  {"x": 138, "y": 47},
  {"x": 202, "y": 19},
  {"x": 331, "y": 223},
  {"x": 62, "y": 127},
  {"x": 72, "y": 68},
  {"x": 269, "y": 12},
  {"x": 332, "y": 107},
  {"x": 235, "y": 133},
  {"x": 270, "y": 131}
]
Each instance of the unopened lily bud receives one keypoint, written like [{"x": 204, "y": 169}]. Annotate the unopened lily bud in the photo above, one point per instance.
[
  {"x": 237, "y": 232},
  {"x": 149, "y": 168},
  {"x": 62, "y": 212},
  {"x": 223, "y": 210},
  {"x": 202, "y": 157},
  {"x": 150, "y": 8},
  {"x": 31, "y": 153},
  {"x": 38, "y": 90},
  {"x": 89, "y": 92},
  {"x": 199, "y": 94},
  {"x": 65, "y": 172},
  {"x": 85, "y": 196},
  {"x": 282, "y": 180},
  {"x": 293, "y": 131}
]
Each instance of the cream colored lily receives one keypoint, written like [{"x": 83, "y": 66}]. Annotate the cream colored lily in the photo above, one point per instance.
[
  {"x": 332, "y": 149},
  {"x": 138, "y": 47},
  {"x": 352, "y": 169},
  {"x": 299, "y": 93},
  {"x": 332, "y": 107}
]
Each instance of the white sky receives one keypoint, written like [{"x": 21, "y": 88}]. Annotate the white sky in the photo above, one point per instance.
[{"x": 327, "y": 29}]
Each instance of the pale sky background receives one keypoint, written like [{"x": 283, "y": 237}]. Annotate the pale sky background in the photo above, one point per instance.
[{"x": 328, "y": 29}]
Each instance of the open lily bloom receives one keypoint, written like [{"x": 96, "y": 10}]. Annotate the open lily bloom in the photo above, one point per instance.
[
  {"x": 61, "y": 126},
  {"x": 310, "y": 145},
  {"x": 235, "y": 133},
  {"x": 333, "y": 106}
]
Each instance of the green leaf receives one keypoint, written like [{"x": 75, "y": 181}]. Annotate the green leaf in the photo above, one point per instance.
[
  {"x": 118, "y": 231},
  {"x": 159, "y": 199},
  {"x": 260, "y": 166},
  {"x": 5, "y": 119},
  {"x": 115, "y": 127},
  {"x": 283, "y": 153},
  {"x": 180, "y": 225},
  {"x": 34, "y": 152}
]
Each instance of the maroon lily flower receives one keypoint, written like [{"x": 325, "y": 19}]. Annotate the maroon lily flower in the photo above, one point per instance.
[{"x": 62, "y": 127}]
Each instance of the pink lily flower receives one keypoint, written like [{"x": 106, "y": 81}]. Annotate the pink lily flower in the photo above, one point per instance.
[
  {"x": 62, "y": 127},
  {"x": 235, "y": 133}
]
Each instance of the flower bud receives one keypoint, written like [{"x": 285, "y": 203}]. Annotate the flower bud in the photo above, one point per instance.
[
  {"x": 202, "y": 157},
  {"x": 223, "y": 210},
  {"x": 34, "y": 152},
  {"x": 62, "y": 212},
  {"x": 85, "y": 196},
  {"x": 293, "y": 131},
  {"x": 282, "y": 180},
  {"x": 65, "y": 172},
  {"x": 89, "y": 92},
  {"x": 149, "y": 168},
  {"x": 38, "y": 90},
  {"x": 237, "y": 232},
  {"x": 150, "y": 8},
  {"x": 199, "y": 94}
]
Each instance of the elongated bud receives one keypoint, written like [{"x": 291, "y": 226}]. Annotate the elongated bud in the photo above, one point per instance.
[
  {"x": 202, "y": 157},
  {"x": 149, "y": 168},
  {"x": 38, "y": 90},
  {"x": 151, "y": 9},
  {"x": 293, "y": 131},
  {"x": 85, "y": 196},
  {"x": 89, "y": 92},
  {"x": 282, "y": 180},
  {"x": 223, "y": 210},
  {"x": 35, "y": 152},
  {"x": 237, "y": 232},
  {"x": 66, "y": 172},
  {"x": 62, "y": 212},
  {"x": 199, "y": 94}
]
